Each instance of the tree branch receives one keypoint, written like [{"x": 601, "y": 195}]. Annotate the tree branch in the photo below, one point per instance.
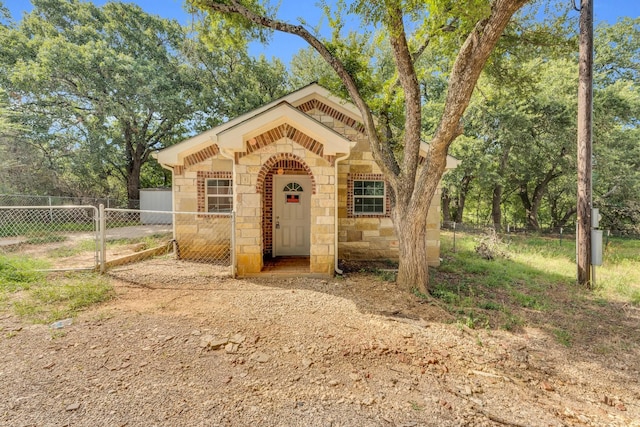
[
  {"x": 412, "y": 102},
  {"x": 465, "y": 73},
  {"x": 381, "y": 151}
]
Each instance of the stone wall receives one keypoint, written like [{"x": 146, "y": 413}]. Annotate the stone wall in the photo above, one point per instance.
[
  {"x": 200, "y": 236},
  {"x": 252, "y": 171},
  {"x": 365, "y": 237},
  {"x": 251, "y": 182}
]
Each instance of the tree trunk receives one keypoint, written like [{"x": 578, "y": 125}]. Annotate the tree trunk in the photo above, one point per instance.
[
  {"x": 410, "y": 223},
  {"x": 413, "y": 270},
  {"x": 538, "y": 193},
  {"x": 465, "y": 185},
  {"x": 496, "y": 211},
  {"x": 531, "y": 215},
  {"x": 446, "y": 206},
  {"x": 136, "y": 156},
  {"x": 561, "y": 222},
  {"x": 532, "y": 206},
  {"x": 496, "y": 201},
  {"x": 133, "y": 185},
  {"x": 532, "y": 220}
]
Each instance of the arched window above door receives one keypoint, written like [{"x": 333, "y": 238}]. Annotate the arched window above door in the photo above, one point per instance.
[{"x": 293, "y": 186}]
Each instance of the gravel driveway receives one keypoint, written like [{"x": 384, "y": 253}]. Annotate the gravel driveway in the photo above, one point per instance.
[{"x": 185, "y": 345}]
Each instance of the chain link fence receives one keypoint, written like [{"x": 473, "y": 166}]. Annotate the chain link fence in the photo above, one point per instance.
[
  {"x": 89, "y": 238},
  {"x": 53, "y": 238},
  {"x": 31, "y": 200},
  {"x": 133, "y": 235},
  {"x": 505, "y": 229},
  {"x": 469, "y": 227}
]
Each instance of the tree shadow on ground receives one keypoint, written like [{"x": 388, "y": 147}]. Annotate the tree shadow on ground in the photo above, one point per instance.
[{"x": 589, "y": 328}]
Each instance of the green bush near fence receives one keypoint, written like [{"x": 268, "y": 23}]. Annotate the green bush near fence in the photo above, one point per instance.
[{"x": 20, "y": 273}]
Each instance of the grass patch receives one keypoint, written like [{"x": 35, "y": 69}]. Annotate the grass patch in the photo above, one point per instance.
[
  {"x": 69, "y": 251},
  {"x": 528, "y": 301},
  {"x": 19, "y": 273},
  {"x": 563, "y": 337},
  {"x": 490, "y": 305},
  {"x": 635, "y": 297},
  {"x": 538, "y": 262},
  {"x": 386, "y": 275},
  {"x": 533, "y": 283},
  {"x": 66, "y": 296},
  {"x": 45, "y": 298}
]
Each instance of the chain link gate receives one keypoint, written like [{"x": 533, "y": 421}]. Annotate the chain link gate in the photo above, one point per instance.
[
  {"x": 61, "y": 238},
  {"x": 56, "y": 238}
]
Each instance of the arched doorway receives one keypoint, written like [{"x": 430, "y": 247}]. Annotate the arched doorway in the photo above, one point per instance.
[{"x": 287, "y": 186}]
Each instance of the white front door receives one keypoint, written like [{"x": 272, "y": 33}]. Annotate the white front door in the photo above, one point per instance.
[{"x": 291, "y": 215}]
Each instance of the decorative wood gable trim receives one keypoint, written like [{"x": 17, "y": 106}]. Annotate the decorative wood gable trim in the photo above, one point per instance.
[
  {"x": 201, "y": 155},
  {"x": 331, "y": 112},
  {"x": 284, "y": 131}
]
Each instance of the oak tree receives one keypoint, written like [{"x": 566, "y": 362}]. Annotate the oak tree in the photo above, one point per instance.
[{"x": 470, "y": 31}]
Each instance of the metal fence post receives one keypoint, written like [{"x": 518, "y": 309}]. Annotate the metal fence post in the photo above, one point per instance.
[
  {"x": 103, "y": 240},
  {"x": 233, "y": 244}
]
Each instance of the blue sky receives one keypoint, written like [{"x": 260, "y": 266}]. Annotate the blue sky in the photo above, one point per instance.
[{"x": 284, "y": 45}]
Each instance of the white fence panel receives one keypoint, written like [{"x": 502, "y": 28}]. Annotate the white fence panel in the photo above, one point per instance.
[{"x": 156, "y": 199}]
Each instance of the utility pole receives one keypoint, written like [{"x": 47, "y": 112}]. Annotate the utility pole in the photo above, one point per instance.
[{"x": 585, "y": 130}]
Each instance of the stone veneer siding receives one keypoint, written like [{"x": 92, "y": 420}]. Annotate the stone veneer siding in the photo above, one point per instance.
[
  {"x": 250, "y": 203},
  {"x": 365, "y": 237}
]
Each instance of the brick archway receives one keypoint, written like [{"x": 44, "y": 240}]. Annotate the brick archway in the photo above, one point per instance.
[
  {"x": 291, "y": 165},
  {"x": 286, "y": 161}
]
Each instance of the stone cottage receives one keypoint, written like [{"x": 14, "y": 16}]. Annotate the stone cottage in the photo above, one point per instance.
[{"x": 300, "y": 176}]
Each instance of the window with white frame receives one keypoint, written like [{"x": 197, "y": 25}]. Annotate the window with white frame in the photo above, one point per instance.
[
  {"x": 219, "y": 195},
  {"x": 368, "y": 197}
]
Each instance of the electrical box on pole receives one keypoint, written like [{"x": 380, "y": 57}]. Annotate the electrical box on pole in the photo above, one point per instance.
[
  {"x": 596, "y": 247},
  {"x": 596, "y": 238}
]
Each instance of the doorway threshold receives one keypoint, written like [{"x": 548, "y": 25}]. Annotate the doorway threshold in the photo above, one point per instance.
[
  {"x": 287, "y": 267},
  {"x": 287, "y": 264}
]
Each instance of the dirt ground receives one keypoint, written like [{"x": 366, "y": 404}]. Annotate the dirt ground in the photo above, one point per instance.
[{"x": 182, "y": 344}]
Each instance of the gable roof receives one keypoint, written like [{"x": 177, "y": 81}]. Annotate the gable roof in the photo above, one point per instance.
[
  {"x": 289, "y": 111},
  {"x": 283, "y": 113},
  {"x": 283, "y": 110}
]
